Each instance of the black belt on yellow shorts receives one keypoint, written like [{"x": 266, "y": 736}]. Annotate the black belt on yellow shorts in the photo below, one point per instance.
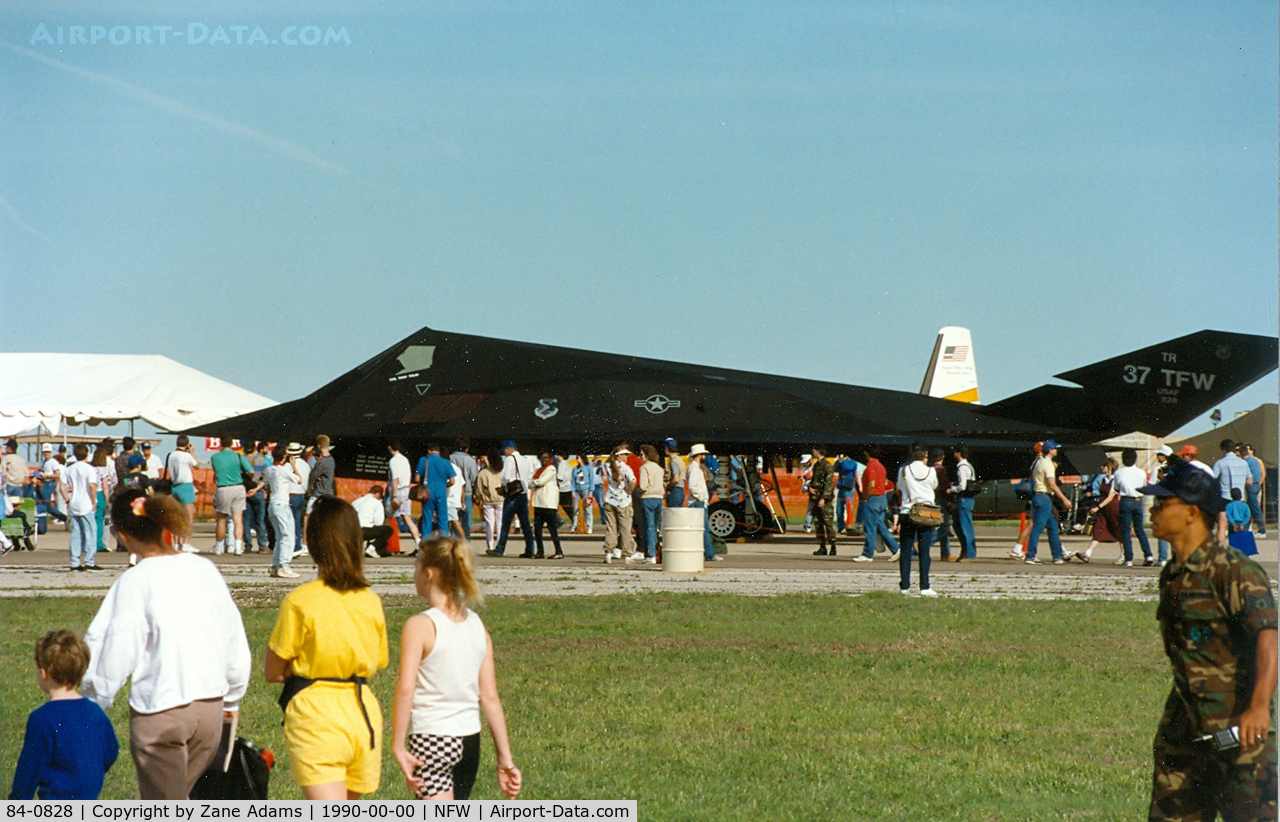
[{"x": 294, "y": 685}]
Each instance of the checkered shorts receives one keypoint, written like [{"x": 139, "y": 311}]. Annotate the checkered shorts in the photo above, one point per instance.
[{"x": 439, "y": 755}]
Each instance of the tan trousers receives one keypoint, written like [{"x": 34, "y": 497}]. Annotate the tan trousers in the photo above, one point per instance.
[
  {"x": 172, "y": 749},
  {"x": 617, "y": 522}
]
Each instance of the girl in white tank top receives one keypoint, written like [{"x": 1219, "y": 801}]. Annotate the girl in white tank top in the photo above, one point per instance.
[{"x": 446, "y": 678}]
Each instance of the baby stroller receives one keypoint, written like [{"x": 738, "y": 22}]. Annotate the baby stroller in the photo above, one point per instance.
[{"x": 19, "y": 527}]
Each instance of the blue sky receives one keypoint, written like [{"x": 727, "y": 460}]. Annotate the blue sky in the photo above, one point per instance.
[{"x": 807, "y": 189}]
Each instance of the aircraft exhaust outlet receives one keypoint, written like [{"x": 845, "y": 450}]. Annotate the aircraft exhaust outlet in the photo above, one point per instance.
[{"x": 682, "y": 540}]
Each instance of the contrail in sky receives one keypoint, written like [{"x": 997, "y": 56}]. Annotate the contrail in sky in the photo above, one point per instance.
[
  {"x": 22, "y": 224},
  {"x": 156, "y": 101}
]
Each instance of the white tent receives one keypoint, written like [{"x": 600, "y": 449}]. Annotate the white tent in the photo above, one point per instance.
[{"x": 53, "y": 389}]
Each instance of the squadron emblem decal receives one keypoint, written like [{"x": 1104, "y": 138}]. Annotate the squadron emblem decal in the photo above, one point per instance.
[
  {"x": 546, "y": 409},
  {"x": 657, "y": 404}
]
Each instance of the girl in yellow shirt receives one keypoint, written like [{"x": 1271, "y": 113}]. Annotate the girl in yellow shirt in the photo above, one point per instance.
[{"x": 330, "y": 638}]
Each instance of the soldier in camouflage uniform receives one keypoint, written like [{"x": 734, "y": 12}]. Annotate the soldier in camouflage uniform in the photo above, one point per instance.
[
  {"x": 822, "y": 495},
  {"x": 1218, "y": 621}
]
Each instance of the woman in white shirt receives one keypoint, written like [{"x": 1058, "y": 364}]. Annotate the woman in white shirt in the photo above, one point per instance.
[
  {"x": 168, "y": 625},
  {"x": 917, "y": 483},
  {"x": 280, "y": 476},
  {"x": 104, "y": 465},
  {"x": 546, "y": 499},
  {"x": 617, "y": 505}
]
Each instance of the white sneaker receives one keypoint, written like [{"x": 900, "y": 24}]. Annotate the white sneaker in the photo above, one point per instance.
[
  {"x": 287, "y": 573},
  {"x": 650, "y": 560},
  {"x": 370, "y": 552},
  {"x": 636, "y": 557},
  {"x": 1120, "y": 560},
  {"x": 589, "y": 531},
  {"x": 608, "y": 557},
  {"x": 239, "y": 548},
  {"x": 906, "y": 592},
  {"x": 217, "y": 548},
  {"x": 894, "y": 556},
  {"x": 861, "y": 558},
  {"x": 300, "y": 552},
  {"x": 1017, "y": 553},
  {"x": 188, "y": 548},
  {"x": 617, "y": 553},
  {"x": 928, "y": 592}
]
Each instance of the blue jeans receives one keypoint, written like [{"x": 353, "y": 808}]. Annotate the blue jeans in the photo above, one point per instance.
[
  {"x": 675, "y": 497},
  {"x": 255, "y": 519},
  {"x": 943, "y": 532},
  {"x": 515, "y": 507},
  {"x": 298, "y": 505},
  {"x": 652, "y": 510},
  {"x": 84, "y": 539},
  {"x": 435, "y": 513},
  {"x": 873, "y": 510},
  {"x": 708, "y": 550},
  {"x": 282, "y": 521},
  {"x": 844, "y": 499},
  {"x": 1131, "y": 515},
  {"x": 915, "y": 542},
  {"x": 49, "y": 495},
  {"x": 464, "y": 516},
  {"x": 582, "y": 509},
  {"x": 1255, "y": 509},
  {"x": 964, "y": 527},
  {"x": 1043, "y": 516}
]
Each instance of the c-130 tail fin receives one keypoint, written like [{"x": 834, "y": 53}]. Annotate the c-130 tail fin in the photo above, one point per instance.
[{"x": 952, "y": 373}]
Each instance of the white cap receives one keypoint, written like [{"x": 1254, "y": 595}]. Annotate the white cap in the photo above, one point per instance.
[{"x": 1165, "y": 450}]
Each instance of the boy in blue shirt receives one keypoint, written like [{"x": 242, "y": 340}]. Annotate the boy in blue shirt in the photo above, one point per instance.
[
  {"x": 69, "y": 744},
  {"x": 1238, "y": 514}
]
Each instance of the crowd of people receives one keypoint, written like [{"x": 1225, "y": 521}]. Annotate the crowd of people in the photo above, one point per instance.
[
  {"x": 266, "y": 490},
  {"x": 169, "y": 628}
]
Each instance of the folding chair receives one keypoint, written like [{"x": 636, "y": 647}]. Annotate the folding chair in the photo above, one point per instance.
[{"x": 21, "y": 533}]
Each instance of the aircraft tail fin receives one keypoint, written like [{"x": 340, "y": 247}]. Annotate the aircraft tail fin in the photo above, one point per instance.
[
  {"x": 952, "y": 374},
  {"x": 1155, "y": 390}
]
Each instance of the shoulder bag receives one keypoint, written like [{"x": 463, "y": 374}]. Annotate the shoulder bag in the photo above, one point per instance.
[{"x": 924, "y": 514}]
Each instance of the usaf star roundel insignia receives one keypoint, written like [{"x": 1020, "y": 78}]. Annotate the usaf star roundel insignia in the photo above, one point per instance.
[
  {"x": 657, "y": 404},
  {"x": 546, "y": 409}
]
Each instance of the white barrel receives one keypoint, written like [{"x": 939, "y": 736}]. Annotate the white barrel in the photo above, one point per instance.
[{"x": 682, "y": 539}]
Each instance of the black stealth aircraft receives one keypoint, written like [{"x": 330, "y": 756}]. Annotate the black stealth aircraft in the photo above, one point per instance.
[{"x": 436, "y": 385}]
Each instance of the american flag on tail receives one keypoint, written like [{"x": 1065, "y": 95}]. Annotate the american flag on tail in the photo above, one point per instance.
[{"x": 955, "y": 353}]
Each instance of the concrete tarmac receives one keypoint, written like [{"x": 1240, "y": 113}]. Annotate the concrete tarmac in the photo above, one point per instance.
[{"x": 780, "y": 565}]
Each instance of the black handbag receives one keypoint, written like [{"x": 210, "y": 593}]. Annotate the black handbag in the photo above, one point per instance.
[
  {"x": 246, "y": 777},
  {"x": 163, "y": 486}
]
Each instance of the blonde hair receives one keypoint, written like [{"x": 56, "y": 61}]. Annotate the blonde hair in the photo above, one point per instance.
[{"x": 452, "y": 559}]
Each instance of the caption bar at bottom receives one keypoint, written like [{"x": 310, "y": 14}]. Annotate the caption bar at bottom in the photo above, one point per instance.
[{"x": 136, "y": 810}]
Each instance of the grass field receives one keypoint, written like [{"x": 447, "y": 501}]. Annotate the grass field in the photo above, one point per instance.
[{"x": 726, "y": 707}]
